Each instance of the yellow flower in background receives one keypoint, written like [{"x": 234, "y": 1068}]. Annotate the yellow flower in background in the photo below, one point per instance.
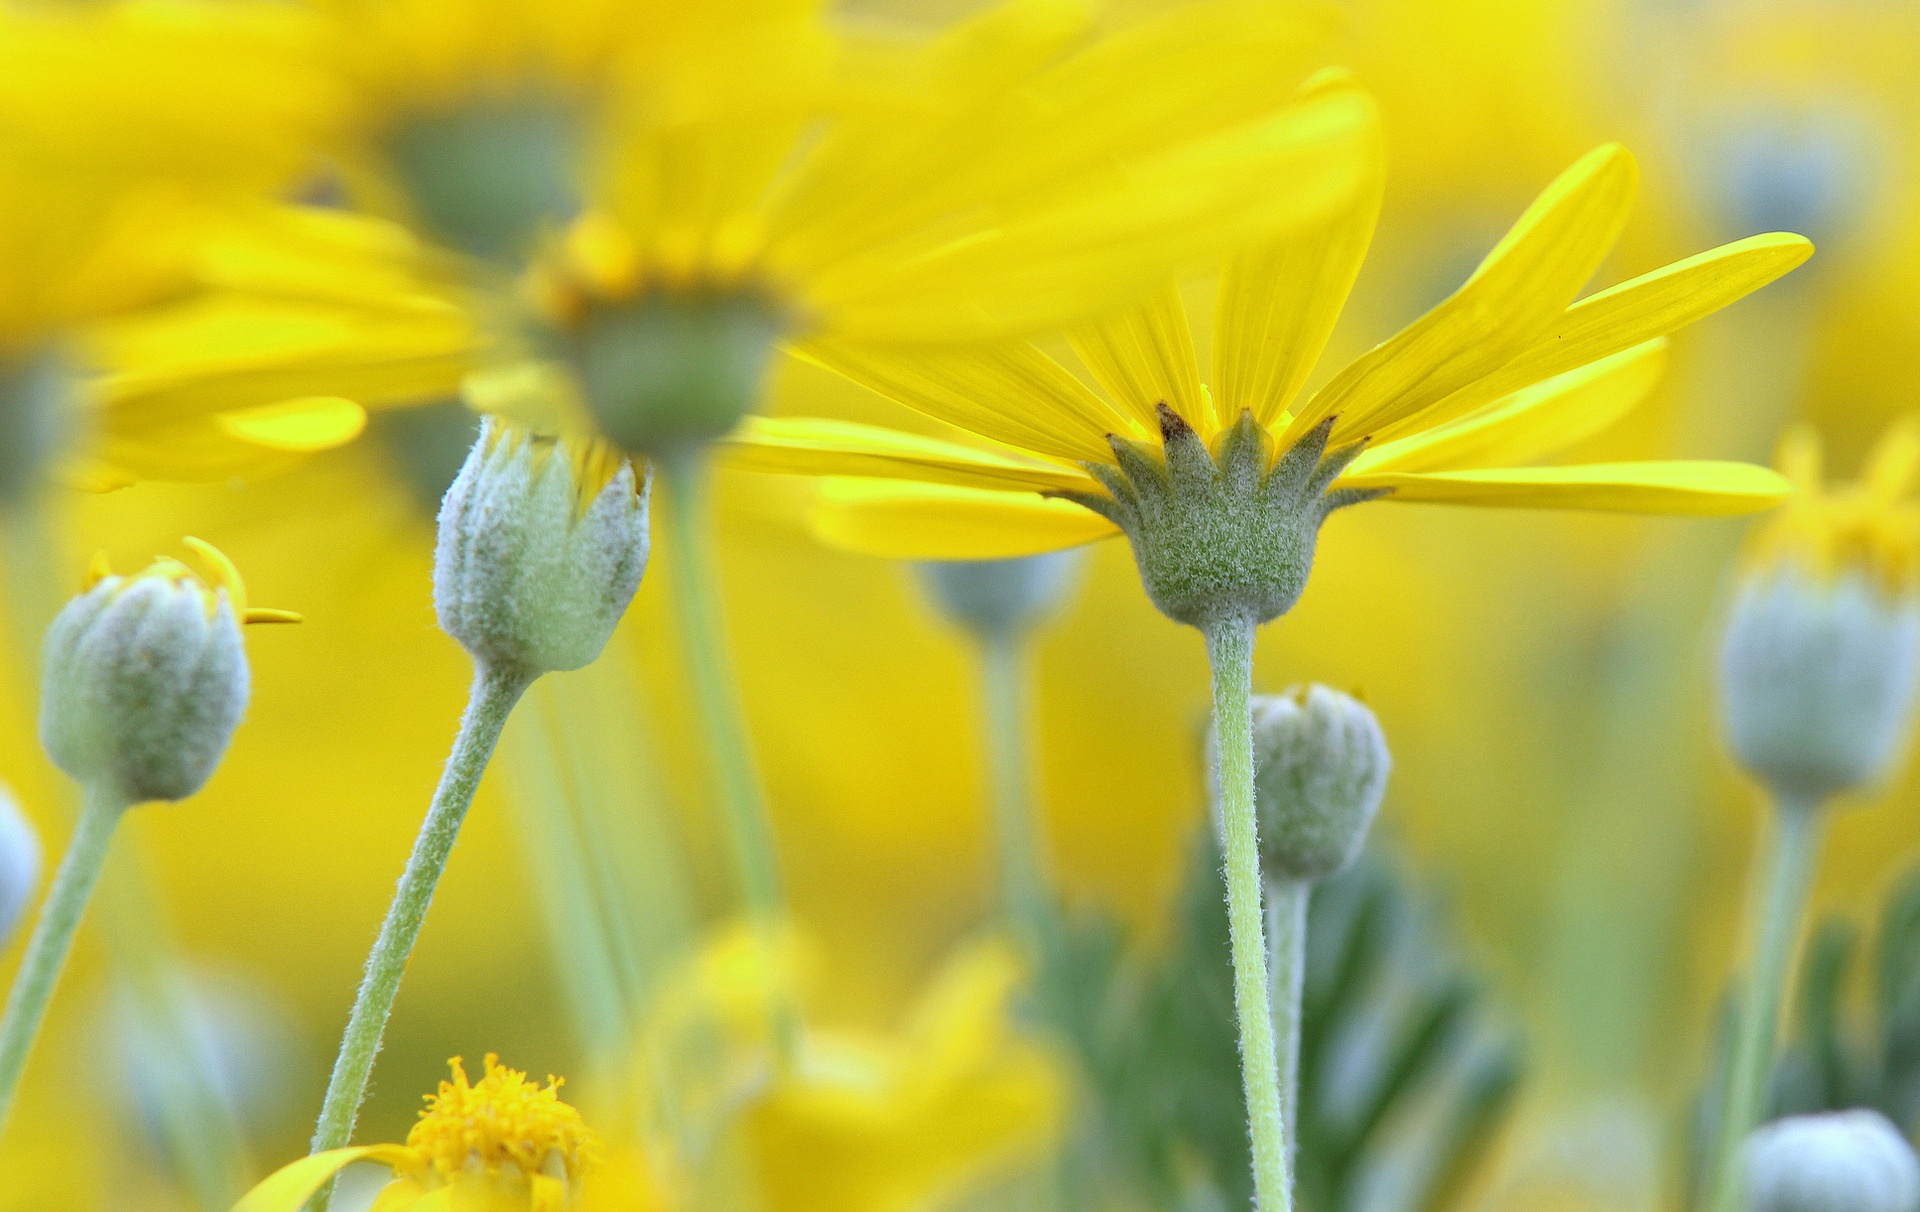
[
  {"x": 1869, "y": 529},
  {"x": 502, "y": 1144},
  {"x": 855, "y": 1122},
  {"x": 1508, "y": 369}
]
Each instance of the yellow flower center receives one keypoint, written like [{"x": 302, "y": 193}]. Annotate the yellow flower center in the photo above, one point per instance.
[
  {"x": 502, "y": 1120},
  {"x": 593, "y": 462}
]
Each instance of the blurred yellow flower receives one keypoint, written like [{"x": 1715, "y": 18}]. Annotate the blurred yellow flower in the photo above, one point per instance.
[
  {"x": 1506, "y": 370},
  {"x": 855, "y": 1122},
  {"x": 1870, "y": 528},
  {"x": 499, "y": 1145}
]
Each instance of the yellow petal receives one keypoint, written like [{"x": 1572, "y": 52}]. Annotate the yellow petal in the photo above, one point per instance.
[
  {"x": 1012, "y": 393},
  {"x": 1278, "y": 305},
  {"x": 1895, "y": 459},
  {"x": 905, "y": 521},
  {"x": 1532, "y": 423},
  {"x": 288, "y": 1188},
  {"x": 816, "y": 446},
  {"x": 299, "y": 426},
  {"x": 1144, "y": 357},
  {"x": 1704, "y": 488},
  {"x": 1798, "y": 457},
  {"x": 1092, "y": 244},
  {"x": 1637, "y": 310},
  {"x": 1512, "y": 300}
]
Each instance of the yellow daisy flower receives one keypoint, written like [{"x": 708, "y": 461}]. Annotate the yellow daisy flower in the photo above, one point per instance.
[
  {"x": 1452, "y": 409},
  {"x": 1869, "y": 529},
  {"x": 502, "y": 1144},
  {"x": 1026, "y": 178}
]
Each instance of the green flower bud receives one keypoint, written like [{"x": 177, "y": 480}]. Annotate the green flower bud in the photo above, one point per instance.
[
  {"x": 19, "y": 865},
  {"x": 1845, "y": 1161},
  {"x": 146, "y": 676},
  {"x": 488, "y": 177},
  {"x": 1320, "y": 765},
  {"x": 993, "y": 597},
  {"x": 542, "y": 544},
  {"x": 1225, "y": 534},
  {"x": 1818, "y": 679}
]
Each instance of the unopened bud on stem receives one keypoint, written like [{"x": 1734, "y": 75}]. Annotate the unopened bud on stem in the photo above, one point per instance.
[{"x": 1846, "y": 1161}]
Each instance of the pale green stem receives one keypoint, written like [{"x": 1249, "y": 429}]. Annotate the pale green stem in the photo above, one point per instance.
[
  {"x": 1025, "y": 883},
  {"x": 494, "y": 694},
  {"x": 1287, "y": 952},
  {"x": 53, "y": 935},
  {"x": 696, "y": 587},
  {"x": 1776, "y": 905},
  {"x": 1230, "y": 651},
  {"x": 197, "y": 1128}
]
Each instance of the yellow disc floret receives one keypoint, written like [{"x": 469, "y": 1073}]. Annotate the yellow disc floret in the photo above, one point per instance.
[{"x": 500, "y": 1121}]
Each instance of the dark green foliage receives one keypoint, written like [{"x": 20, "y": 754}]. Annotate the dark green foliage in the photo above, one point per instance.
[{"x": 1403, "y": 1082}]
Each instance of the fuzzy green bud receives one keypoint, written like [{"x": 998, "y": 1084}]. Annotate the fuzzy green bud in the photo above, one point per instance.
[
  {"x": 1227, "y": 534},
  {"x": 542, "y": 544},
  {"x": 1818, "y": 678},
  {"x": 1320, "y": 766},
  {"x": 19, "y": 865},
  {"x": 146, "y": 677},
  {"x": 1845, "y": 1161},
  {"x": 999, "y": 597}
]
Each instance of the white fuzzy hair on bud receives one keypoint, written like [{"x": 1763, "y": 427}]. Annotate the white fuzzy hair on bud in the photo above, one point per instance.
[
  {"x": 1320, "y": 766},
  {"x": 1844, "y": 1161},
  {"x": 1818, "y": 680},
  {"x": 145, "y": 681},
  {"x": 534, "y": 567}
]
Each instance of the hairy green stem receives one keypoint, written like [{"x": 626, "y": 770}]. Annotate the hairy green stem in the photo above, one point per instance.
[
  {"x": 1287, "y": 962},
  {"x": 1025, "y": 882},
  {"x": 1230, "y": 651},
  {"x": 1777, "y": 903},
  {"x": 53, "y": 935},
  {"x": 494, "y": 694}
]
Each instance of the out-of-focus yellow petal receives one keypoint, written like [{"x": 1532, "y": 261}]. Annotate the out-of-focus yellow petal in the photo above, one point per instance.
[
  {"x": 1012, "y": 393},
  {"x": 1799, "y": 458},
  {"x": 1144, "y": 357},
  {"x": 816, "y": 446},
  {"x": 400, "y": 1195},
  {"x": 905, "y": 521},
  {"x": 1512, "y": 300},
  {"x": 1278, "y": 305},
  {"x": 1637, "y": 310},
  {"x": 1096, "y": 242},
  {"x": 300, "y": 426},
  {"x": 1705, "y": 488},
  {"x": 1532, "y": 423},
  {"x": 288, "y": 1188},
  {"x": 1890, "y": 469}
]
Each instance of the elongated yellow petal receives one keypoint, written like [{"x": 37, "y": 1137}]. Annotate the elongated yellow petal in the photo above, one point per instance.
[
  {"x": 1894, "y": 462},
  {"x": 1637, "y": 310},
  {"x": 1012, "y": 393},
  {"x": 1094, "y": 243},
  {"x": 288, "y": 1188},
  {"x": 298, "y": 426},
  {"x": 1144, "y": 357},
  {"x": 1532, "y": 423},
  {"x": 905, "y": 521},
  {"x": 1278, "y": 304},
  {"x": 1704, "y": 488},
  {"x": 816, "y": 446},
  {"x": 1512, "y": 300}
]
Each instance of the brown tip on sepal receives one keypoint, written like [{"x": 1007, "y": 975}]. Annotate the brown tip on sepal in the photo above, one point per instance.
[{"x": 1172, "y": 424}]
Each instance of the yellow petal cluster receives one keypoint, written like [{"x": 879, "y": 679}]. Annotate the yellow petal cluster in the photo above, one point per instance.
[
  {"x": 1511, "y": 368},
  {"x": 1870, "y": 528}
]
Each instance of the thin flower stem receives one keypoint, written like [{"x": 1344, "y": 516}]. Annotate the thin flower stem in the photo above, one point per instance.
[
  {"x": 1025, "y": 883},
  {"x": 1287, "y": 949},
  {"x": 53, "y": 935},
  {"x": 1230, "y": 650},
  {"x": 494, "y": 694},
  {"x": 1774, "y": 913}
]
